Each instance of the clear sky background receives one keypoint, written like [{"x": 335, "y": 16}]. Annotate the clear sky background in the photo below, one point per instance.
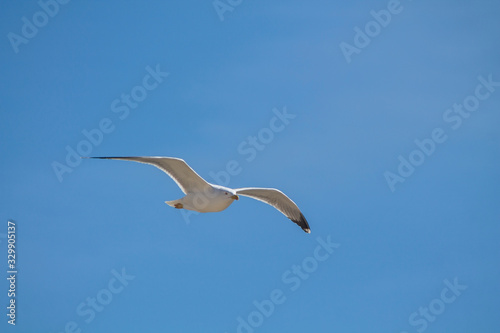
[{"x": 399, "y": 250}]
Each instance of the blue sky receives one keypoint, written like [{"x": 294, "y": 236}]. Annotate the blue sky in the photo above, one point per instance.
[{"x": 405, "y": 223}]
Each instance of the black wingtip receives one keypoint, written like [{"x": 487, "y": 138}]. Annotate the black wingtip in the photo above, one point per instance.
[
  {"x": 102, "y": 158},
  {"x": 302, "y": 222}
]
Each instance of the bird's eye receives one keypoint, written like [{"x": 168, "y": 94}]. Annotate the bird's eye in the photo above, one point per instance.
[{"x": 226, "y": 193}]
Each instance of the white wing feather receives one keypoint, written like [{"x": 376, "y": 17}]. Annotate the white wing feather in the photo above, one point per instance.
[
  {"x": 278, "y": 200},
  {"x": 185, "y": 177}
]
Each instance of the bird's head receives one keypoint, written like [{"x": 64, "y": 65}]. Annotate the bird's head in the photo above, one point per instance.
[
  {"x": 231, "y": 195},
  {"x": 226, "y": 192}
]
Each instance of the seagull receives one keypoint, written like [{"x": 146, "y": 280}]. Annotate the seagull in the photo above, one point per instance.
[{"x": 203, "y": 197}]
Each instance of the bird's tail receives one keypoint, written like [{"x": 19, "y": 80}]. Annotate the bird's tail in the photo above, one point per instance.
[{"x": 173, "y": 202}]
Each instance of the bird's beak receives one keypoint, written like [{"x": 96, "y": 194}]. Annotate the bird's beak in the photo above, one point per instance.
[{"x": 235, "y": 197}]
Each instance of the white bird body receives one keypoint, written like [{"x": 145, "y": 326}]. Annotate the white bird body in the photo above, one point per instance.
[
  {"x": 214, "y": 200},
  {"x": 204, "y": 197}
]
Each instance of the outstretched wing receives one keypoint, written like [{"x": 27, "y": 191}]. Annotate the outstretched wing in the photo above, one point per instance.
[
  {"x": 187, "y": 179},
  {"x": 278, "y": 200}
]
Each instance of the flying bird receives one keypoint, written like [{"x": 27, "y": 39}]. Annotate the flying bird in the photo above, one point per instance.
[{"x": 204, "y": 197}]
